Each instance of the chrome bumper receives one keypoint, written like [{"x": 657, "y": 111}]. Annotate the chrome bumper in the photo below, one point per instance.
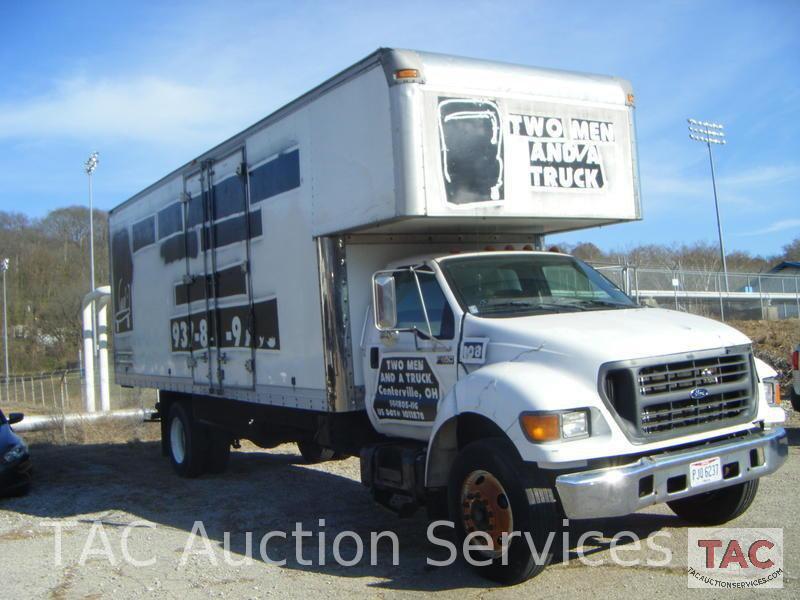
[{"x": 617, "y": 491}]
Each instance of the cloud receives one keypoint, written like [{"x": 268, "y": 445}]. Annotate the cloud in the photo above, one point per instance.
[
  {"x": 781, "y": 225},
  {"x": 745, "y": 189},
  {"x": 760, "y": 175},
  {"x": 151, "y": 109}
]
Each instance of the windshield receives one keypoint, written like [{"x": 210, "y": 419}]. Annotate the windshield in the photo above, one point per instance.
[{"x": 524, "y": 284}]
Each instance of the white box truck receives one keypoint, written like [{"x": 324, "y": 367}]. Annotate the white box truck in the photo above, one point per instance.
[{"x": 361, "y": 272}]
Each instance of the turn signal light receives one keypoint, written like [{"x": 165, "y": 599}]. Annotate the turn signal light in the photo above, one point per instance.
[
  {"x": 541, "y": 428},
  {"x": 406, "y": 74},
  {"x": 796, "y": 360}
]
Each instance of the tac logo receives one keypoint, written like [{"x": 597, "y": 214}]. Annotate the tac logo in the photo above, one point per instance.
[{"x": 731, "y": 558}]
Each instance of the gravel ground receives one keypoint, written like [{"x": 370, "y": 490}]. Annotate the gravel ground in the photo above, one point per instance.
[{"x": 119, "y": 484}]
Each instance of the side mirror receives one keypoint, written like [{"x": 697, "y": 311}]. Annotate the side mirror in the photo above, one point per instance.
[
  {"x": 15, "y": 418},
  {"x": 384, "y": 302}
]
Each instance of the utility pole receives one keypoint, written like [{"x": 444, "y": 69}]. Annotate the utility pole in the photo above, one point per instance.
[
  {"x": 4, "y": 268},
  {"x": 712, "y": 133}
]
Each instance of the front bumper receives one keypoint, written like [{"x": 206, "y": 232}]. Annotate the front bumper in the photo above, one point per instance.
[{"x": 618, "y": 491}]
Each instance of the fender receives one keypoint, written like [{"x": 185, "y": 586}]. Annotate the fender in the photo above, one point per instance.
[{"x": 497, "y": 393}]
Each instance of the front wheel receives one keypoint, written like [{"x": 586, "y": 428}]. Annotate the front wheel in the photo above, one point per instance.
[
  {"x": 716, "y": 507},
  {"x": 490, "y": 492}
]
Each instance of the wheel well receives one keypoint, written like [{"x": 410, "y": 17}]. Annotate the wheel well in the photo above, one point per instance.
[{"x": 451, "y": 438}]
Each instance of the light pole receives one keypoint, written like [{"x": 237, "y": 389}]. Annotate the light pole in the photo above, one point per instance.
[
  {"x": 712, "y": 133},
  {"x": 89, "y": 166},
  {"x": 4, "y": 267}
]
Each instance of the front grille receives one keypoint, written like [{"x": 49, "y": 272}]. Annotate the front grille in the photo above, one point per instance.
[
  {"x": 691, "y": 374},
  {"x": 668, "y": 416},
  {"x": 680, "y": 395}
]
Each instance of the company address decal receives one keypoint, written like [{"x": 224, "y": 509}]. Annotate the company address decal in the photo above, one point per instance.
[
  {"x": 564, "y": 153},
  {"x": 407, "y": 389}
]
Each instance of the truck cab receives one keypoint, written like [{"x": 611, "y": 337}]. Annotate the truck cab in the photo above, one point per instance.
[{"x": 601, "y": 405}]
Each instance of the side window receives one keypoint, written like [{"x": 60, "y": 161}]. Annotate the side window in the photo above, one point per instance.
[{"x": 409, "y": 308}]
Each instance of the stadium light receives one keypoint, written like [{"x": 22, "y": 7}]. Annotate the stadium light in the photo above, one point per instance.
[{"x": 709, "y": 133}]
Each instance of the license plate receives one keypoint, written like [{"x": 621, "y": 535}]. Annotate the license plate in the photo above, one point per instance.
[{"x": 705, "y": 471}]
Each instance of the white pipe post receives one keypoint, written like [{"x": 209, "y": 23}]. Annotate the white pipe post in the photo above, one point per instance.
[
  {"x": 88, "y": 357},
  {"x": 102, "y": 320}
]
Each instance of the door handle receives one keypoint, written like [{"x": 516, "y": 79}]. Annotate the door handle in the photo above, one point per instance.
[{"x": 374, "y": 354}]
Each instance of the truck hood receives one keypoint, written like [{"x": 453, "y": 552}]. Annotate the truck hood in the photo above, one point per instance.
[{"x": 603, "y": 335}]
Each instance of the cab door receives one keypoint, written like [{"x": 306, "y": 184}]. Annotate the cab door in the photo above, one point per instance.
[{"x": 408, "y": 370}]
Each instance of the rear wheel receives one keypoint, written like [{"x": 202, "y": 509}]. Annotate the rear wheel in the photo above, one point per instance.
[
  {"x": 188, "y": 442},
  {"x": 490, "y": 492},
  {"x": 219, "y": 451},
  {"x": 313, "y": 453},
  {"x": 716, "y": 507},
  {"x": 795, "y": 398}
]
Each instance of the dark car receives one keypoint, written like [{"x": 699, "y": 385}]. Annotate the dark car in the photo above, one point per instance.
[{"x": 15, "y": 460}]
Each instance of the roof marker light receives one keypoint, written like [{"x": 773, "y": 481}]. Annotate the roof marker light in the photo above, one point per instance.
[{"x": 406, "y": 74}]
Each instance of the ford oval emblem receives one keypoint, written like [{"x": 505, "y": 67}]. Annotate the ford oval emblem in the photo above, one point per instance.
[{"x": 698, "y": 393}]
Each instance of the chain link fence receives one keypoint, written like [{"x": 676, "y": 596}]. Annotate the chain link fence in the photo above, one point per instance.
[
  {"x": 63, "y": 392},
  {"x": 742, "y": 296}
]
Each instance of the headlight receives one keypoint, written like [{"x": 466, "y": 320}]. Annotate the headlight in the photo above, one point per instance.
[
  {"x": 551, "y": 427},
  {"x": 15, "y": 453},
  {"x": 772, "y": 391},
  {"x": 574, "y": 424}
]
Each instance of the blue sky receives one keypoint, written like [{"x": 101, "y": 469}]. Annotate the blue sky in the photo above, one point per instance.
[{"x": 152, "y": 84}]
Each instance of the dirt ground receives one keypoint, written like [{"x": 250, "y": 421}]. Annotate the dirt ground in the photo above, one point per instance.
[
  {"x": 773, "y": 341},
  {"x": 128, "y": 491}
]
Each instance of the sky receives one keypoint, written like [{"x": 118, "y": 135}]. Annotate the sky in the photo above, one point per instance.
[{"x": 151, "y": 85}]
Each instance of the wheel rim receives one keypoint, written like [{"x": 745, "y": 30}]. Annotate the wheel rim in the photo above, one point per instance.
[
  {"x": 177, "y": 440},
  {"x": 485, "y": 506}
]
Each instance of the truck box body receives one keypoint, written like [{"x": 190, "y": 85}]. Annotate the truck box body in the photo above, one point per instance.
[{"x": 245, "y": 273}]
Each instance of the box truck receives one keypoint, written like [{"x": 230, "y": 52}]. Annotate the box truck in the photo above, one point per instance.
[{"x": 362, "y": 272}]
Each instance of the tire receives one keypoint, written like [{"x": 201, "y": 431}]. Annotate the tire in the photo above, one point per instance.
[
  {"x": 717, "y": 507},
  {"x": 187, "y": 442},
  {"x": 794, "y": 397},
  {"x": 313, "y": 453},
  {"x": 219, "y": 451},
  {"x": 524, "y": 503},
  {"x": 18, "y": 492}
]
